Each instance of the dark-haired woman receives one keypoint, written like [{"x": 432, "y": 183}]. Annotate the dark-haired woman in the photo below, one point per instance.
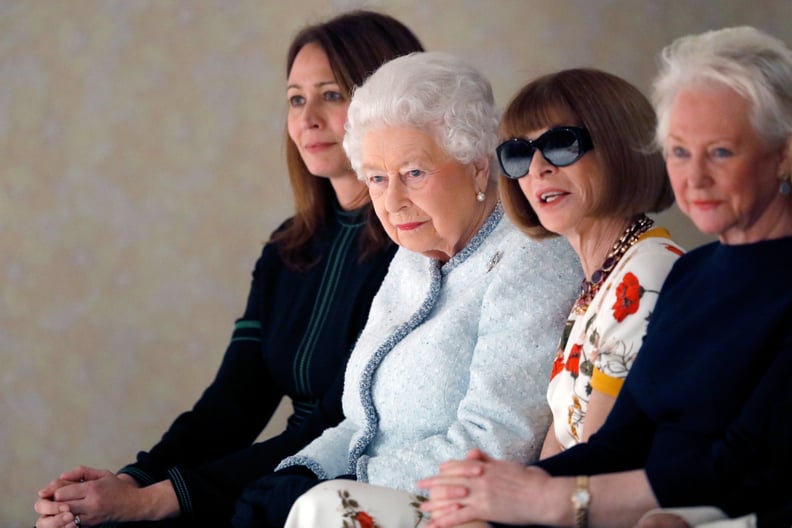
[{"x": 309, "y": 298}]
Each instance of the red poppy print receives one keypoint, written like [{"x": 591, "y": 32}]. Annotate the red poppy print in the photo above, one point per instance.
[
  {"x": 558, "y": 364},
  {"x": 674, "y": 249},
  {"x": 365, "y": 520},
  {"x": 628, "y": 297},
  {"x": 573, "y": 362}
]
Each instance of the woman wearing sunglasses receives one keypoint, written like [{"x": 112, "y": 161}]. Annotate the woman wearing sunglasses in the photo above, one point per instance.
[
  {"x": 703, "y": 417},
  {"x": 576, "y": 163}
]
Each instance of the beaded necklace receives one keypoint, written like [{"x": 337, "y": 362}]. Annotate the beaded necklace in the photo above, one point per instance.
[{"x": 589, "y": 288}]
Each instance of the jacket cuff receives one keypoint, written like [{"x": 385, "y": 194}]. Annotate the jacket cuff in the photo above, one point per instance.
[
  {"x": 182, "y": 492},
  {"x": 143, "y": 478},
  {"x": 311, "y": 464}
]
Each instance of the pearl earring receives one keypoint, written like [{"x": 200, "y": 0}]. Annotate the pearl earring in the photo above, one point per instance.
[
  {"x": 480, "y": 196},
  {"x": 785, "y": 188}
]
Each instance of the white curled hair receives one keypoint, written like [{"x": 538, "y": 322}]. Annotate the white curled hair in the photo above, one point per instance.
[
  {"x": 434, "y": 92},
  {"x": 752, "y": 63}
]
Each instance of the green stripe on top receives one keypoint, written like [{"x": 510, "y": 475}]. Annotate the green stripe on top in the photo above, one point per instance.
[
  {"x": 305, "y": 406},
  {"x": 242, "y": 325},
  {"x": 242, "y": 331},
  {"x": 352, "y": 218},
  {"x": 324, "y": 300},
  {"x": 302, "y": 409}
]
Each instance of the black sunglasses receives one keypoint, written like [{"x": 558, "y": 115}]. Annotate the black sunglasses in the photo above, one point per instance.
[{"x": 560, "y": 146}]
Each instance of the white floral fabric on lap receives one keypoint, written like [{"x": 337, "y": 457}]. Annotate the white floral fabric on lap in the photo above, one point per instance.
[{"x": 348, "y": 503}]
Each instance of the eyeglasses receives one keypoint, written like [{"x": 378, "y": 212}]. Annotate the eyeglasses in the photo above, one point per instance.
[{"x": 560, "y": 146}]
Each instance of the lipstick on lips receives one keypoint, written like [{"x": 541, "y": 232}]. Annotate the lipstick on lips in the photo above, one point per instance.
[
  {"x": 318, "y": 146},
  {"x": 705, "y": 205},
  {"x": 409, "y": 226},
  {"x": 548, "y": 196}
]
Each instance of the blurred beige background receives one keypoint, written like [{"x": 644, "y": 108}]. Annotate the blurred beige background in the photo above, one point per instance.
[{"x": 141, "y": 168}]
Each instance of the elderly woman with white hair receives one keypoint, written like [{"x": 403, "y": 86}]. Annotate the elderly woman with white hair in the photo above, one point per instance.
[
  {"x": 459, "y": 338},
  {"x": 704, "y": 415}
]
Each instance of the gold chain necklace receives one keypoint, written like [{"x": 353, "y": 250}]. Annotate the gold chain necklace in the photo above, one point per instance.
[{"x": 589, "y": 288}]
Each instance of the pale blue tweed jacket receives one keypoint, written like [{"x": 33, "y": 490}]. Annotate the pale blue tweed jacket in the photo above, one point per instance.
[{"x": 452, "y": 357}]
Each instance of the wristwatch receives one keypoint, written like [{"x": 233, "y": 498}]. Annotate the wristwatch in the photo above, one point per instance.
[{"x": 581, "y": 500}]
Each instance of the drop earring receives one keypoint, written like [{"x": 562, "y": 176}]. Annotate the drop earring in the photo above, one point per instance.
[
  {"x": 785, "y": 188},
  {"x": 480, "y": 197}
]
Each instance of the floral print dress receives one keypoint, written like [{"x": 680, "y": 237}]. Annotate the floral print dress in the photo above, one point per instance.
[
  {"x": 599, "y": 346},
  {"x": 351, "y": 504}
]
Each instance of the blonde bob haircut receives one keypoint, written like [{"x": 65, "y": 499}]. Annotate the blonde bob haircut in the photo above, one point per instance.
[{"x": 621, "y": 123}]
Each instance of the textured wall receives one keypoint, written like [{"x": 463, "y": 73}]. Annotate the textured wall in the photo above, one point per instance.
[{"x": 141, "y": 169}]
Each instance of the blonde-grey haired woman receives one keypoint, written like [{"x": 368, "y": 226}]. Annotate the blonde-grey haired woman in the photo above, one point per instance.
[
  {"x": 703, "y": 417},
  {"x": 454, "y": 354}
]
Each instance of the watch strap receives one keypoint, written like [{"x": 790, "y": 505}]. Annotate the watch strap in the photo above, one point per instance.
[{"x": 581, "y": 500}]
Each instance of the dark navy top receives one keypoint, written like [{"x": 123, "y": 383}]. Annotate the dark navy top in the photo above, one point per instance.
[
  {"x": 707, "y": 406},
  {"x": 293, "y": 340}
]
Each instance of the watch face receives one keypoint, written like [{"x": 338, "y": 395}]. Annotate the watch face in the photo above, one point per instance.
[{"x": 582, "y": 498}]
